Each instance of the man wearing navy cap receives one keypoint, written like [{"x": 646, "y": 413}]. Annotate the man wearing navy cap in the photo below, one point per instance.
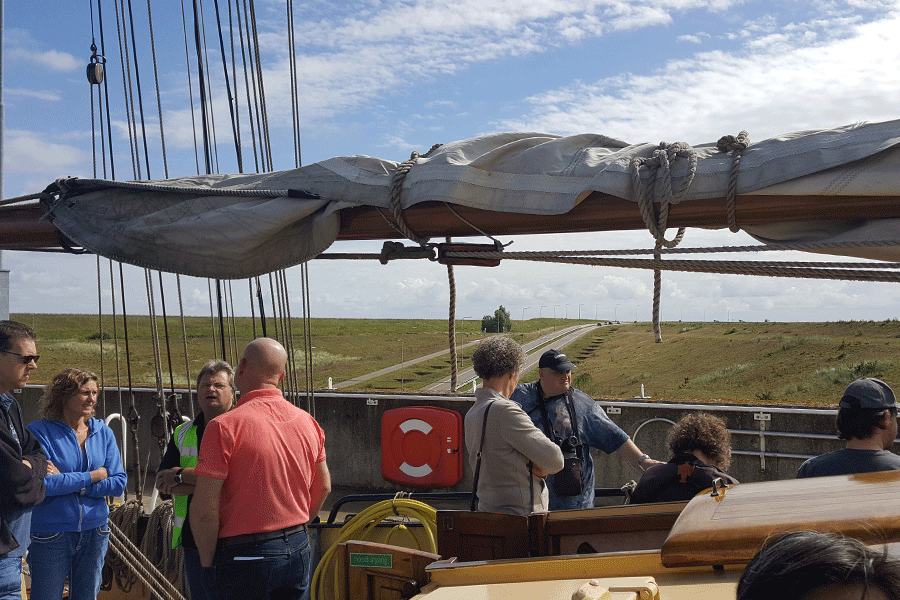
[
  {"x": 554, "y": 406},
  {"x": 867, "y": 419}
]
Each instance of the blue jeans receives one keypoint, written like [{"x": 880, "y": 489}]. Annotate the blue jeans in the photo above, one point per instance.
[
  {"x": 194, "y": 573},
  {"x": 276, "y": 568},
  {"x": 78, "y": 555},
  {"x": 11, "y": 578}
]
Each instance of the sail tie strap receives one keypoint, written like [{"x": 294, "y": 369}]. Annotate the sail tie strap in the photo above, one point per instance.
[
  {"x": 396, "y": 192},
  {"x": 659, "y": 164},
  {"x": 736, "y": 146}
]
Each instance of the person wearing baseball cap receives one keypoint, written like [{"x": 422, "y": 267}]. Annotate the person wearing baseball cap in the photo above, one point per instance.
[
  {"x": 867, "y": 420},
  {"x": 576, "y": 423}
]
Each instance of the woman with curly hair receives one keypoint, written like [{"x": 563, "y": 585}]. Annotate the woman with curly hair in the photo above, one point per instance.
[
  {"x": 807, "y": 565},
  {"x": 515, "y": 455},
  {"x": 701, "y": 449},
  {"x": 70, "y": 528}
]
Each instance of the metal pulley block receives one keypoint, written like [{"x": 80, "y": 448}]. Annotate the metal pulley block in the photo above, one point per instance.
[{"x": 95, "y": 68}]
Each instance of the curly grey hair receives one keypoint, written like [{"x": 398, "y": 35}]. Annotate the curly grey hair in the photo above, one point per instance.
[{"x": 497, "y": 356}]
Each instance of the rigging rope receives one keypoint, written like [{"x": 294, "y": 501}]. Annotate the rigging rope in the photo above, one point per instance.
[
  {"x": 452, "y": 325},
  {"x": 187, "y": 362},
  {"x": 187, "y": 63},
  {"x": 659, "y": 165},
  {"x": 885, "y": 272},
  {"x": 736, "y": 146},
  {"x": 162, "y": 132},
  {"x": 127, "y": 561}
]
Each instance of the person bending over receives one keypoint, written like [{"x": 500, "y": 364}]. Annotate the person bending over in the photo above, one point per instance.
[{"x": 701, "y": 453}]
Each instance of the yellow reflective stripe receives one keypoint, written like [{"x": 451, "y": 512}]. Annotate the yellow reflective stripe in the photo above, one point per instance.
[{"x": 186, "y": 441}]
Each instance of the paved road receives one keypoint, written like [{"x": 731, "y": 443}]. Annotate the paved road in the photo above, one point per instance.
[
  {"x": 565, "y": 337},
  {"x": 533, "y": 350}
]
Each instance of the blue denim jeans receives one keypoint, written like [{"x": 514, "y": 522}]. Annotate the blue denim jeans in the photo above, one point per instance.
[
  {"x": 11, "y": 578},
  {"x": 78, "y": 555},
  {"x": 276, "y": 568},
  {"x": 194, "y": 573}
]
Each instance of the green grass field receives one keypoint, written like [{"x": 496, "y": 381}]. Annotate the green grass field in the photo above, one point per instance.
[{"x": 756, "y": 363}]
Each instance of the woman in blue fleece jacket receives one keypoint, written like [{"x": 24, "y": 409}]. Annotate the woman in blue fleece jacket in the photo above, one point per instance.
[{"x": 70, "y": 528}]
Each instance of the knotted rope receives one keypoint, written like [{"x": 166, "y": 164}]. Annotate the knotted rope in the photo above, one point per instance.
[
  {"x": 735, "y": 145},
  {"x": 659, "y": 165},
  {"x": 397, "y": 179}
]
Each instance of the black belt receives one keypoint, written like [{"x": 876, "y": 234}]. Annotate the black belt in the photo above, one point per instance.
[{"x": 249, "y": 538}]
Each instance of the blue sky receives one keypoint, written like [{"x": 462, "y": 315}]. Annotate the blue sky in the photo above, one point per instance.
[{"x": 386, "y": 78}]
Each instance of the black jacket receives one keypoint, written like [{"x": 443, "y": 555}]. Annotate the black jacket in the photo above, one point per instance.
[
  {"x": 681, "y": 478},
  {"x": 20, "y": 487}
]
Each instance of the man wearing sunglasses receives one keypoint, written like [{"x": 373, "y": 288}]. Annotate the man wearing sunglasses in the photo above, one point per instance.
[{"x": 23, "y": 464}]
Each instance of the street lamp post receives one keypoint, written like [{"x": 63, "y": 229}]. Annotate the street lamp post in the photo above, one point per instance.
[
  {"x": 401, "y": 360},
  {"x": 461, "y": 346}
]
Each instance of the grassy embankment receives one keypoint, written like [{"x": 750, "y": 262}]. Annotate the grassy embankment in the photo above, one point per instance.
[{"x": 755, "y": 363}]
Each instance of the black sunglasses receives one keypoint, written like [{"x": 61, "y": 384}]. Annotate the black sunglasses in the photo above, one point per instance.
[{"x": 25, "y": 359}]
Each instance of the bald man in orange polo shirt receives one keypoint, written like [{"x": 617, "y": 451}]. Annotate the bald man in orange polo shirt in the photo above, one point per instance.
[{"x": 261, "y": 477}]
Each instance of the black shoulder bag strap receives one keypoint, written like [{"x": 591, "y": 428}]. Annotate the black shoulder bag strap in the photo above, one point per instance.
[
  {"x": 570, "y": 406},
  {"x": 573, "y": 416},
  {"x": 474, "y": 504}
]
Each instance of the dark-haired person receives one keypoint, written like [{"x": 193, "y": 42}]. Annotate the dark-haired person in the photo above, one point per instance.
[
  {"x": 867, "y": 420},
  {"x": 578, "y": 423},
  {"x": 701, "y": 453},
  {"x": 23, "y": 463},
  {"x": 215, "y": 394},
  {"x": 807, "y": 565},
  {"x": 70, "y": 528},
  {"x": 515, "y": 455}
]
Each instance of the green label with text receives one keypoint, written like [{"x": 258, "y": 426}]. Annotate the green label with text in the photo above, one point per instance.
[{"x": 384, "y": 561}]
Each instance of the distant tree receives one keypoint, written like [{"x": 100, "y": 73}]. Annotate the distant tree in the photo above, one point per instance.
[{"x": 498, "y": 323}]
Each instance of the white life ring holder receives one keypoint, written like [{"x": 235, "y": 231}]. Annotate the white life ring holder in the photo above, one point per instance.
[{"x": 410, "y": 426}]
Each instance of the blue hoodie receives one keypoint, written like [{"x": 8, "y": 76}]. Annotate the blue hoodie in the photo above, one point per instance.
[{"x": 73, "y": 503}]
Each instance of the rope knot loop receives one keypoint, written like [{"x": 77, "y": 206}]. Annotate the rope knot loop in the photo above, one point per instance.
[
  {"x": 730, "y": 143},
  {"x": 736, "y": 146},
  {"x": 397, "y": 189}
]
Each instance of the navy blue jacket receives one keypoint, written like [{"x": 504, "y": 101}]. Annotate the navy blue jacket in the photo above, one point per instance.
[{"x": 20, "y": 487}]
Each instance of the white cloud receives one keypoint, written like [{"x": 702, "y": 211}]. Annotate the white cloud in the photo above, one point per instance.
[
  {"x": 766, "y": 90},
  {"x": 30, "y": 152},
  {"x": 38, "y": 94}
]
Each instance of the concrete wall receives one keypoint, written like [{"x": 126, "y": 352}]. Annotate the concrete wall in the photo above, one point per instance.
[{"x": 352, "y": 424}]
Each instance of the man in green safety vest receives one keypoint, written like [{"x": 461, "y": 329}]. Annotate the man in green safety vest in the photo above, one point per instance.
[{"x": 215, "y": 393}]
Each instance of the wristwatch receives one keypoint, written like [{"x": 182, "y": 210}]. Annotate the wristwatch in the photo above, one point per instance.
[
  {"x": 178, "y": 478},
  {"x": 642, "y": 459}
]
